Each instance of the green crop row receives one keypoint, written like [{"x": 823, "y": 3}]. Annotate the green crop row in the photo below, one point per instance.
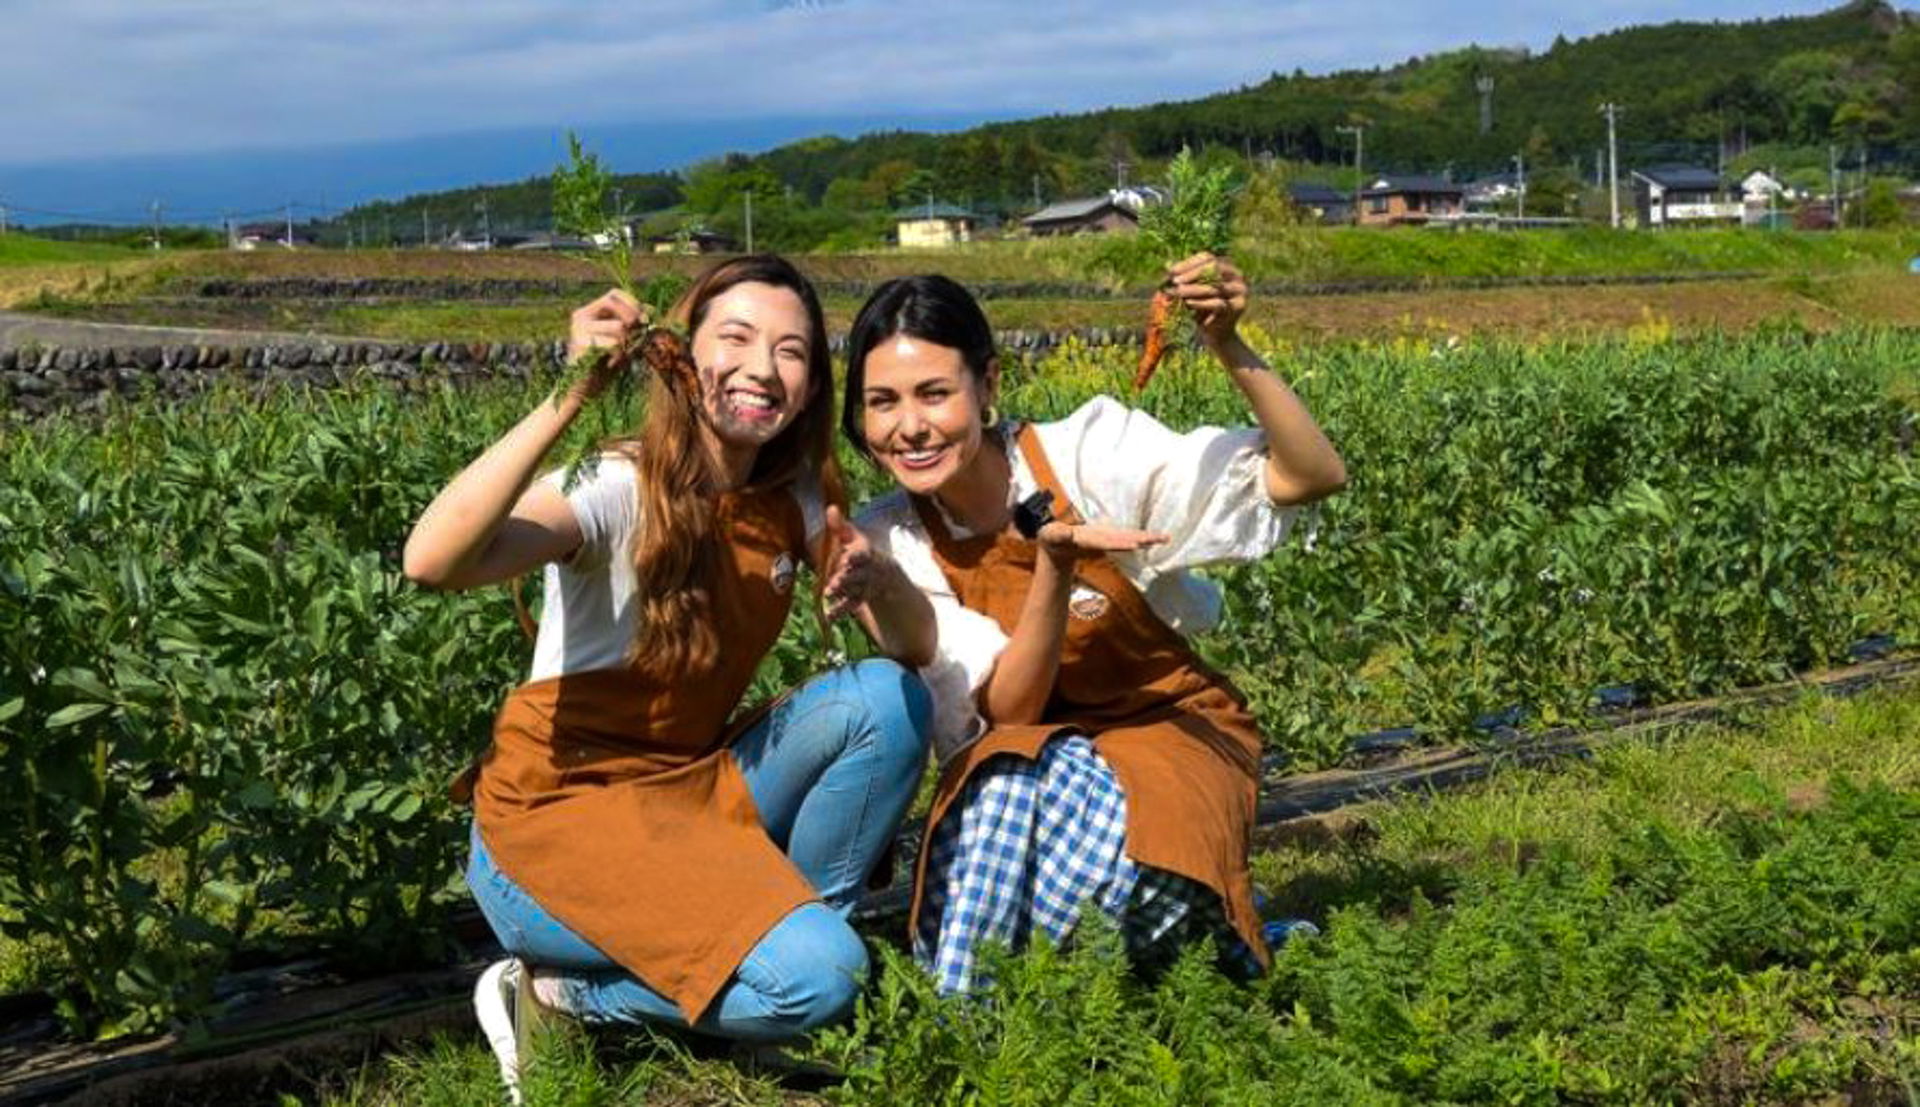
[{"x": 231, "y": 719}]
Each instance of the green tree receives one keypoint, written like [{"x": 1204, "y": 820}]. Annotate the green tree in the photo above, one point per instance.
[
  {"x": 1880, "y": 205},
  {"x": 716, "y": 186}
]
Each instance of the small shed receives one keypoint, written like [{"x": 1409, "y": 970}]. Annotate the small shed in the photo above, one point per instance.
[
  {"x": 932, "y": 225},
  {"x": 1094, "y": 215}
]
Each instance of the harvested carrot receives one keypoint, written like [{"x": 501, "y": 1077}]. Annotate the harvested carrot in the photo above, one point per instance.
[
  {"x": 1197, "y": 218},
  {"x": 665, "y": 352},
  {"x": 1155, "y": 348}
]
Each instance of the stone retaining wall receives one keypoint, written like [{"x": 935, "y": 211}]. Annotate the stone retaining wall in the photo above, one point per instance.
[
  {"x": 39, "y": 379},
  {"x": 508, "y": 290}
]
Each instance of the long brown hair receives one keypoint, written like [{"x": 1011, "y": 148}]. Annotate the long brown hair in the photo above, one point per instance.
[{"x": 676, "y": 557}]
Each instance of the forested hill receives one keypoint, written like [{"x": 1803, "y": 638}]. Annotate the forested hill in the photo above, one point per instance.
[
  {"x": 1846, "y": 75},
  {"x": 1698, "y": 91}
]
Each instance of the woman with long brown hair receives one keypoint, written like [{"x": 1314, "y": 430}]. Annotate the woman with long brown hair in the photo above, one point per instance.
[{"x": 640, "y": 856}]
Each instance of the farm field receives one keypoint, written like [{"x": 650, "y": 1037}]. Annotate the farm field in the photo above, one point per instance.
[
  {"x": 1818, "y": 281},
  {"x": 233, "y": 719},
  {"x": 1728, "y": 918},
  {"x": 1284, "y": 253},
  {"x": 1817, "y": 303}
]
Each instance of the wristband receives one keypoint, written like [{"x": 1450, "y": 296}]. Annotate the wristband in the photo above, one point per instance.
[{"x": 1032, "y": 513}]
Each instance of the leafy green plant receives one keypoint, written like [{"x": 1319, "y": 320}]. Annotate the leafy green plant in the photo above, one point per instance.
[{"x": 233, "y": 721}]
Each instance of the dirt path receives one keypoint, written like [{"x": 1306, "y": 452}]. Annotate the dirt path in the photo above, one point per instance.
[{"x": 20, "y": 329}]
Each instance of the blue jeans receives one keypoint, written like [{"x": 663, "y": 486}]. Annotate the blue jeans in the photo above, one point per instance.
[{"x": 831, "y": 769}]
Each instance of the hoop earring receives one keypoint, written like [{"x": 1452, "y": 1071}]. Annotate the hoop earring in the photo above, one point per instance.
[{"x": 993, "y": 417}]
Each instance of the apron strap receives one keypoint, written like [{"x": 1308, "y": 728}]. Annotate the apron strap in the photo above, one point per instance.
[{"x": 1043, "y": 473}]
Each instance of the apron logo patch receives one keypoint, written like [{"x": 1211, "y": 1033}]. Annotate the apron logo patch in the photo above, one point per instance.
[
  {"x": 1086, "y": 603},
  {"x": 783, "y": 573}
]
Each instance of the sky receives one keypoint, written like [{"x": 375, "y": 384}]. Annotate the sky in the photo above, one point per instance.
[{"x": 133, "y": 88}]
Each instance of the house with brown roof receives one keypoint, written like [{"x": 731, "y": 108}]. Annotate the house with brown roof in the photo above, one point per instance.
[
  {"x": 1401, "y": 201},
  {"x": 1094, "y": 215}
]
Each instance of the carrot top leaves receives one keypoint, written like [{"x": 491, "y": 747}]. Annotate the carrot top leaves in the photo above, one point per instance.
[{"x": 1197, "y": 216}]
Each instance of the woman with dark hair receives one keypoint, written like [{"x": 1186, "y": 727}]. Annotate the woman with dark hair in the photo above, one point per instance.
[
  {"x": 1087, "y": 754},
  {"x": 639, "y": 856}
]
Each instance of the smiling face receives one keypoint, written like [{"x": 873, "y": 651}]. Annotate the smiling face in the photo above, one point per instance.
[
  {"x": 923, "y": 412},
  {"x": 751, "y": 348}
]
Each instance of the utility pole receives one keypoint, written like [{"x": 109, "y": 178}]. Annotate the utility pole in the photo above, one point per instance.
[
  {"x": 1833, "y": 182},
  {"x": 426, "y": 233},
  {"x": 1612, "y": 111},
  {"x": 1036, "y": 192},
  {"x": 1120, "y": 167},
  {"x": 749, "y": 199},
  {"x": 1520, "y": 181},
  {"x": 156, "y": 224},
  {"x": 1359, "y": 133},
  {"x": 289, "y": 242},
  {"x": 486, "y": 223},
  {"x": 1861, "y": 186}
]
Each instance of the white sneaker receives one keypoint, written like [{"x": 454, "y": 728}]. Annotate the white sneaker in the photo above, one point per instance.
[{"x": 509, "y": 1016}]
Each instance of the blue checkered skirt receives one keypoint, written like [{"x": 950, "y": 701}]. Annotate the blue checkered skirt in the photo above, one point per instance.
[{"x": 1026, "y": 845}]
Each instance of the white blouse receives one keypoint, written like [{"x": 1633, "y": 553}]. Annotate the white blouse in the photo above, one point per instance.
[
  {"x": 587, "y": 618},
  {"x": 1205, "y": 489}
]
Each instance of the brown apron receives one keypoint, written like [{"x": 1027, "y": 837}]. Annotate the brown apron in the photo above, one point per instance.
[
  {"x": 1178, "y": 734},
  {"x": 614, "y": 802}
]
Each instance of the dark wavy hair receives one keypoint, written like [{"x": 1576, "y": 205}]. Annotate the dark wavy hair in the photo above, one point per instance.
[{"x": 929, "y": 307}]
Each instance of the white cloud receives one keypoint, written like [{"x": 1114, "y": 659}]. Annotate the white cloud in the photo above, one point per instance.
[{"x": 116, "y": 77}]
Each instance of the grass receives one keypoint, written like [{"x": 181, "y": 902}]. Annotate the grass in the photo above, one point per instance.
[
  {"x": 23, "y": 250},
  {"x": 1728, "y": 917},
  {"x": 1285, "y": 253}
]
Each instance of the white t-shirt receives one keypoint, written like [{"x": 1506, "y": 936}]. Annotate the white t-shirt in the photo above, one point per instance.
[
  {"x": 1204, "y": 489},
  {"x": 587, "y": 618}
]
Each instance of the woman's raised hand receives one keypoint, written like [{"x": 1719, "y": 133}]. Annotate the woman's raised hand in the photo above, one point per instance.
[
  {"x": 1215, "y": 290},
  {"x": 1071, "y": 542},
  {"x": 850, "y": 573},
  {"x": 605, "y": 324}
]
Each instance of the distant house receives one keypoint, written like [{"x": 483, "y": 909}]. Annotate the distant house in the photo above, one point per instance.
[
  {"x": 1488, "y": 193},
  {"x": 932, "y": 225},
  {"x": 1760, "y": 186},
  {"x": 1393, "y": 201},
  {"x": 253, "y": 236},
  {"x": 1764, "y": 200},
  {"x": 1094, "y": 215},
  {"x": 1324, "y": 203},
  {"x": 693, "y": 242},
  {"x": 1681, "y": 195}
]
